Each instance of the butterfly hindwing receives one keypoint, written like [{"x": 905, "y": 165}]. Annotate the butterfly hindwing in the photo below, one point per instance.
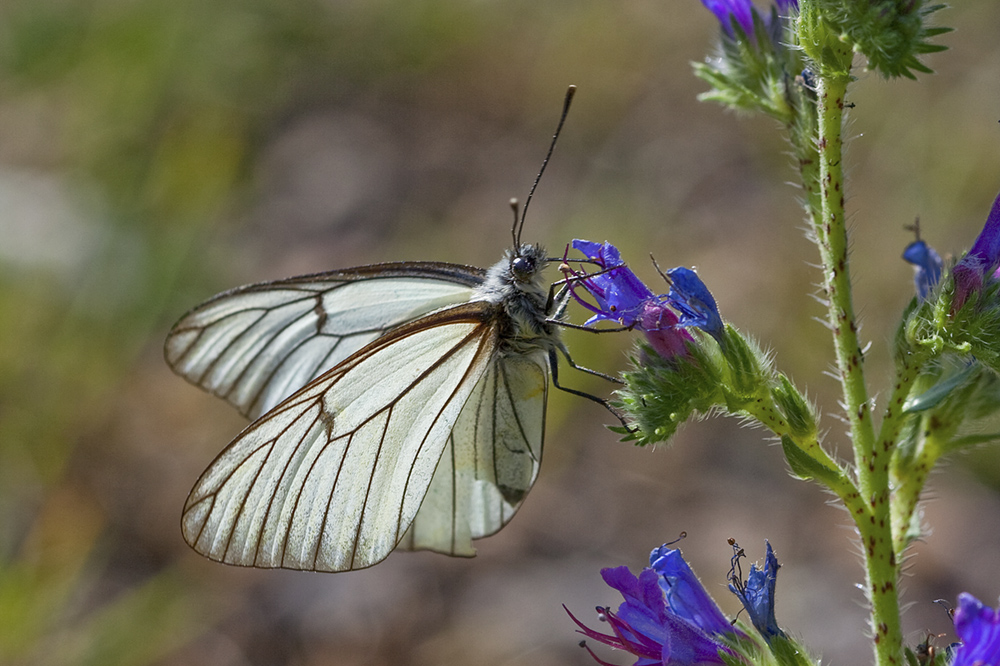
[
  {"x": 256, "y": 345},
  {"x": 331, "y": 478},
  {"x": 491, "y": 459}
]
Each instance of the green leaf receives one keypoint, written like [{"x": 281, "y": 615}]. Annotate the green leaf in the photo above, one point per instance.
[
  {"x": 805, "y": 467},
  {"x": 935, "y": 395}
]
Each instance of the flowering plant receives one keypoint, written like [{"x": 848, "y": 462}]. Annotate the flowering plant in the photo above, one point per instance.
[{"x": 794, "y": 62}]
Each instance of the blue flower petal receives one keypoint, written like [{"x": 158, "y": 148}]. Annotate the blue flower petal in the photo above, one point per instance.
[
  {"x": 927, "y": 266},
  {"x": 690, "y": 297},
  {"x": 591, "y": 249},
  {"x": 980, "y": 261},
  {"x": 663, "y": 624},
  {"x": 978, "y": 627},
  {"x": 684, "y": 593},
  {"x": 728, "y": 10},
  {"x": 619, "y": 294},
  {"x": 757, "y": 596},
  {"x": 987, "y": 245}
]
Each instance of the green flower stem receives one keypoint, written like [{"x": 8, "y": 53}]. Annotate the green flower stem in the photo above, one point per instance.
[
  {"x": 872, "y": 462},
  {"x": 832, "y": 232},
  {"x": 905, "y": 498},
  {"x": 834, "y": 476},
  {"x": 908, "y": 491}
]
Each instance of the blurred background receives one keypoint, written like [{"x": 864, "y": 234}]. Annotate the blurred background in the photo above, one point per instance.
[{"x": 155, "y": 152}]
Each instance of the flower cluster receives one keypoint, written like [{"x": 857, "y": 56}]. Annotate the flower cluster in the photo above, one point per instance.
[
  {"x": 750, "y": 72},
  {"x": 981, "y": 262},
  {"x": 694, "y": 363},
  {"x": 961, "y": 317},
  {"x": 667, "y": 616},
  {"x": 620, "y": 296},
  {"x": 892, "y": 34}
]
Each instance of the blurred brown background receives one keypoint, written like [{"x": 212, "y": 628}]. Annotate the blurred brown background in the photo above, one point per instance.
[{"x": 155, "y": 152}]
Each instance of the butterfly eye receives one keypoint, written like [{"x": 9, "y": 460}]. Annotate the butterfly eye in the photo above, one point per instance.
[{"x": 523, "y": 268}]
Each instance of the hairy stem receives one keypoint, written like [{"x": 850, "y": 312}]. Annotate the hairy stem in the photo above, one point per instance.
[
  {"x": 871, "y": 457},
  {"x": 906, "y": 496}
]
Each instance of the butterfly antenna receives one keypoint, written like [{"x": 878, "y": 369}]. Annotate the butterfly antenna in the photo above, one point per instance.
[
  {"x": 562, "y": 119},
  {"x": 514, "y": 231}
]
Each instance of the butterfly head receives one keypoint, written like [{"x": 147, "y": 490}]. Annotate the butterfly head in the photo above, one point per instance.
[
  {"x": 525, "y": 263},
  {"x": 517, "y": 277}
]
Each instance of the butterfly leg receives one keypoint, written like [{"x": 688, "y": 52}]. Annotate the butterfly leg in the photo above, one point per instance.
[
  {"x": 596, "y": 373},
  {"x": 554, "y": 365},
  {"x": 588, "y": 329}
]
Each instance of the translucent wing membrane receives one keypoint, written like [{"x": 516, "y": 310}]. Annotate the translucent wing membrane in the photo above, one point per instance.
[
  {"x": 256, "y": 345},
  {"x": 491, "y": 459},
  {"x": 331, "y": 478}
]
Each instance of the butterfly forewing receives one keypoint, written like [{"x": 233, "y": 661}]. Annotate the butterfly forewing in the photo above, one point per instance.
[
  {"x": 256, "y": 345},
  {"x": 491, "y": 459},
  {"x": 331, "y": 478}
]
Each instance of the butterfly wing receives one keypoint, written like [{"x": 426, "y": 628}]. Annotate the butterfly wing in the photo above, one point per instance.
[
  {"x": 491, "y": 459},
  {"x": 256, "y": 345},
  {"x": 331, "y": 478}
]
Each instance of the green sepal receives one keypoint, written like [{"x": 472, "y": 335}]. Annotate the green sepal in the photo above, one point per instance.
[
  {"x": 751, "y": 73},
  {"x": 747, "y": 368},
  {"x": 976, "y": 326},
  {"x": 933, "y": 328},
  {"x": 907, "y": 331},
  {"x": 890, "y": 33},
  {"x": 788, "y": 652},
  {"x": 796, "y": 409},
  {"x": 661, "y": 394},
  {"x": 732, "y": 375},
  {"x": 821, "y": 41},
  {"x": 757, "y": 650}
]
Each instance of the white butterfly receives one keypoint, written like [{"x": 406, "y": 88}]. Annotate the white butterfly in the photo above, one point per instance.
[{"x": 397, "y": 405}]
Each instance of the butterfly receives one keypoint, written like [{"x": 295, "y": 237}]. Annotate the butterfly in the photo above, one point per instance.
[{"x": 397, "y": 406}]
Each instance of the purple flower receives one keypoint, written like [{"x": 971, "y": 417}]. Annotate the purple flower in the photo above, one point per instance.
[
  {"x": 927, "y": 266},
  {"x": 684, "y": 593},
  {"x": 978, "y": 627},
  {"x": 667, "y": 618},
  {"x": 742, "y": 12},
  {"x": 622, "y": 297},
  {"x": 664, "y": 335},
  {"x": 620, "y": 294},
  {"x": 757, "y": 594},
  {"x": 982, "y": 260},
  {"x": 728, "y": 11},
  {"x": 689, "y": 296}
]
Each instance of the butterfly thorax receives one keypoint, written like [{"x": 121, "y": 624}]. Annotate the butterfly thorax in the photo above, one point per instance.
[{"x": 515, "y": 285}]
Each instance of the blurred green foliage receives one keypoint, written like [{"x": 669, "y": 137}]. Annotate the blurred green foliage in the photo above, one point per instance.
[{"x": 152, "y": 110}]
